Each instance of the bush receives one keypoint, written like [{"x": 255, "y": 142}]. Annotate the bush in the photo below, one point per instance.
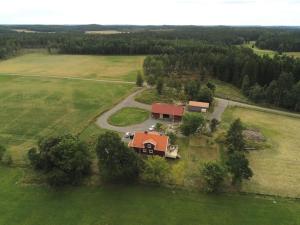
[
  {"x": 213, "y": 174},
  {"x": 191, "y": 123},
  {"x": 63, "y": 159},
  {"x": 155, "y": 170},
  {"x": 172, "y": 138}
]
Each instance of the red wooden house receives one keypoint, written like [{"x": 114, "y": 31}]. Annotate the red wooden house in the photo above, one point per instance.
[{"x": 150, "y": 143}]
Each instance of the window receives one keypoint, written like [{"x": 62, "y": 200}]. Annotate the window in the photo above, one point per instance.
[
  {"x": 151, "y": 151},
  {"x": 149, "y": 146},
  {"x": 144, "y": 150}
]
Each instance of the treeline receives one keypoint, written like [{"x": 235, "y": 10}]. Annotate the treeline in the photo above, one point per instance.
[
  {"x": 263, "y": 79},
  {"x": 145, "y": 39},
  {"x": 280, "y": 41}
]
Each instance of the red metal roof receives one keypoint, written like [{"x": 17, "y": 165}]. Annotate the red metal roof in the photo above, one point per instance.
[
  {"x": 142, "y": 137},
  {"x": 169, "y": 109}
]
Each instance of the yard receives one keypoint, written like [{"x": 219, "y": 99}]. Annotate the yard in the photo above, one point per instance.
[
  {"x": 32, "y": 204},
  {"x": 129, "y": 116},
  {"x": 276, "y": 168},
  {"x": 84, "y": 66}
]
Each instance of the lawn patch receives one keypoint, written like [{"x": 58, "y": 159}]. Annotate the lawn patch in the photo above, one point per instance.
[{"x": 128, "y": 116}]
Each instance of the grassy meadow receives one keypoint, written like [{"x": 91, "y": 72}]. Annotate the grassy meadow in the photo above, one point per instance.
[
  {"x": 228, "y": 91},
  {"x": 31, "y": 204},
  {"x": 129, "y": 116},
  {"x": 83, "y": 66},
  {"x": 34, "y": 107},
  {"x": 276, "y": 168}
]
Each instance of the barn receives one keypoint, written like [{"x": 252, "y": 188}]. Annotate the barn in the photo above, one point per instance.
[
  {"x": 198, "y": 106},
  {"x": 167, "y": 111}
]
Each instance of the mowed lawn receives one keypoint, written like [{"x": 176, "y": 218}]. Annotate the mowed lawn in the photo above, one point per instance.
[
  {"x": 34, "y": 107},
  {"x": 276, "y": 168},
  {"x": 84, "y": 66},
  {"x": 133, "y": 205},
  {"x": 129, "y": 116}
]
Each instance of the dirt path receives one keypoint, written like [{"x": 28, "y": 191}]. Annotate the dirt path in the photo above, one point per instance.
[
  {"x": 223, "y": 103},
  {"x": 128, "y": 102},
  {"x": 69, "y": 78}
]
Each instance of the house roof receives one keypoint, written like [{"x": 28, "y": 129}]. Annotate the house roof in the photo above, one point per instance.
[
  {"x": 169, "y": 109},
  {"x": 199, "y": 104},
  {"x": 141, "y": 137}
]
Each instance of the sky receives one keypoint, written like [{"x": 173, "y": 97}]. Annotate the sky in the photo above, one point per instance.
[{"x": 151, "y": 12}]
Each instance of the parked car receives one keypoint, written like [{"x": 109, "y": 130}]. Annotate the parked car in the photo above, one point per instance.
[{"x": 127, "y": 135}]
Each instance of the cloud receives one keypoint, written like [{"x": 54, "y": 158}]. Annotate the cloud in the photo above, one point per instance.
[{"x": 156, "y": 12}]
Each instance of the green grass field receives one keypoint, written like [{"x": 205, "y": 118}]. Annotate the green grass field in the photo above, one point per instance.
[
  {"x": 84, "y": 66},
  {"x": 35, "y": 107},
  {"x": 277, "y": 168},
  {"x": 129, "y": 116},
  {"x": 23, "y": 204}
]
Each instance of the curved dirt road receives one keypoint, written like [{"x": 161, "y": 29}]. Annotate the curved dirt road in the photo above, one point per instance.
[
  {"x": 127, "y": 102},
  {"x": 223, "y": 103}
]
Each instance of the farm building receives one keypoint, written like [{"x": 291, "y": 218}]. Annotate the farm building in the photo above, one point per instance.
[
  {"x": 153, "y": 143},
  {"x": 198, "y": 106},
  {"x": 167, "y": 111}
]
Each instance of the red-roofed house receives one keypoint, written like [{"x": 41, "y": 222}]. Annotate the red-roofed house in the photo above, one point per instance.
[
  {"x": 167, "y": 111},
  {"x": 150, "y": 143}
]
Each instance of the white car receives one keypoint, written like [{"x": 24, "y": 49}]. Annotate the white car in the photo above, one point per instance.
[
  {"x": 127, "y": 134},
  {"x": 151, "y": 128}
]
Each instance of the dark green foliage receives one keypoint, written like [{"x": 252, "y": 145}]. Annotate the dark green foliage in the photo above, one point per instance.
[
  {"x": 160, "y": 86},
  {"x": 155, "y": 169},
  {"x": 191, "y": 89},
  {"x": 2, "y": 151},
  {"x": 211, "y": 86},
  {"x": 213, "y": 125},
  {"x": 139, "y": 79},
  {"x": 63, "y": 159},
  {"x": 213, "y": 174},
  {"x": 158, "y": 127},
  {"x": 172, "y": 138},
  {"x": 116, "y": 161},
  {"x": 238, "y": 166},
  {"x": 234, "y": 137},
  {"x": 191, "y": 123},
  {"x": 205, "y": 95},
  {"x": 246, "y": 85}
]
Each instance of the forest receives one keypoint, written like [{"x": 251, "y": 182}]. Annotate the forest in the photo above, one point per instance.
[{"x": 173, "y": 50}]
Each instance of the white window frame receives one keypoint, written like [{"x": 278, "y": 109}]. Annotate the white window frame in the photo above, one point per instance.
[
  {"x": 151, "y": 151},
  {"x": 144, "y": 150}
]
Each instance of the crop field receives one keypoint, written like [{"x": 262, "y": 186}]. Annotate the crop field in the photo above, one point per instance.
[
  {"x": 276, "y": 168},
  {"x": 84, "y": 66},
  {"x": 34, "y": 107},
  {"x": 32, "y": 204}
]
